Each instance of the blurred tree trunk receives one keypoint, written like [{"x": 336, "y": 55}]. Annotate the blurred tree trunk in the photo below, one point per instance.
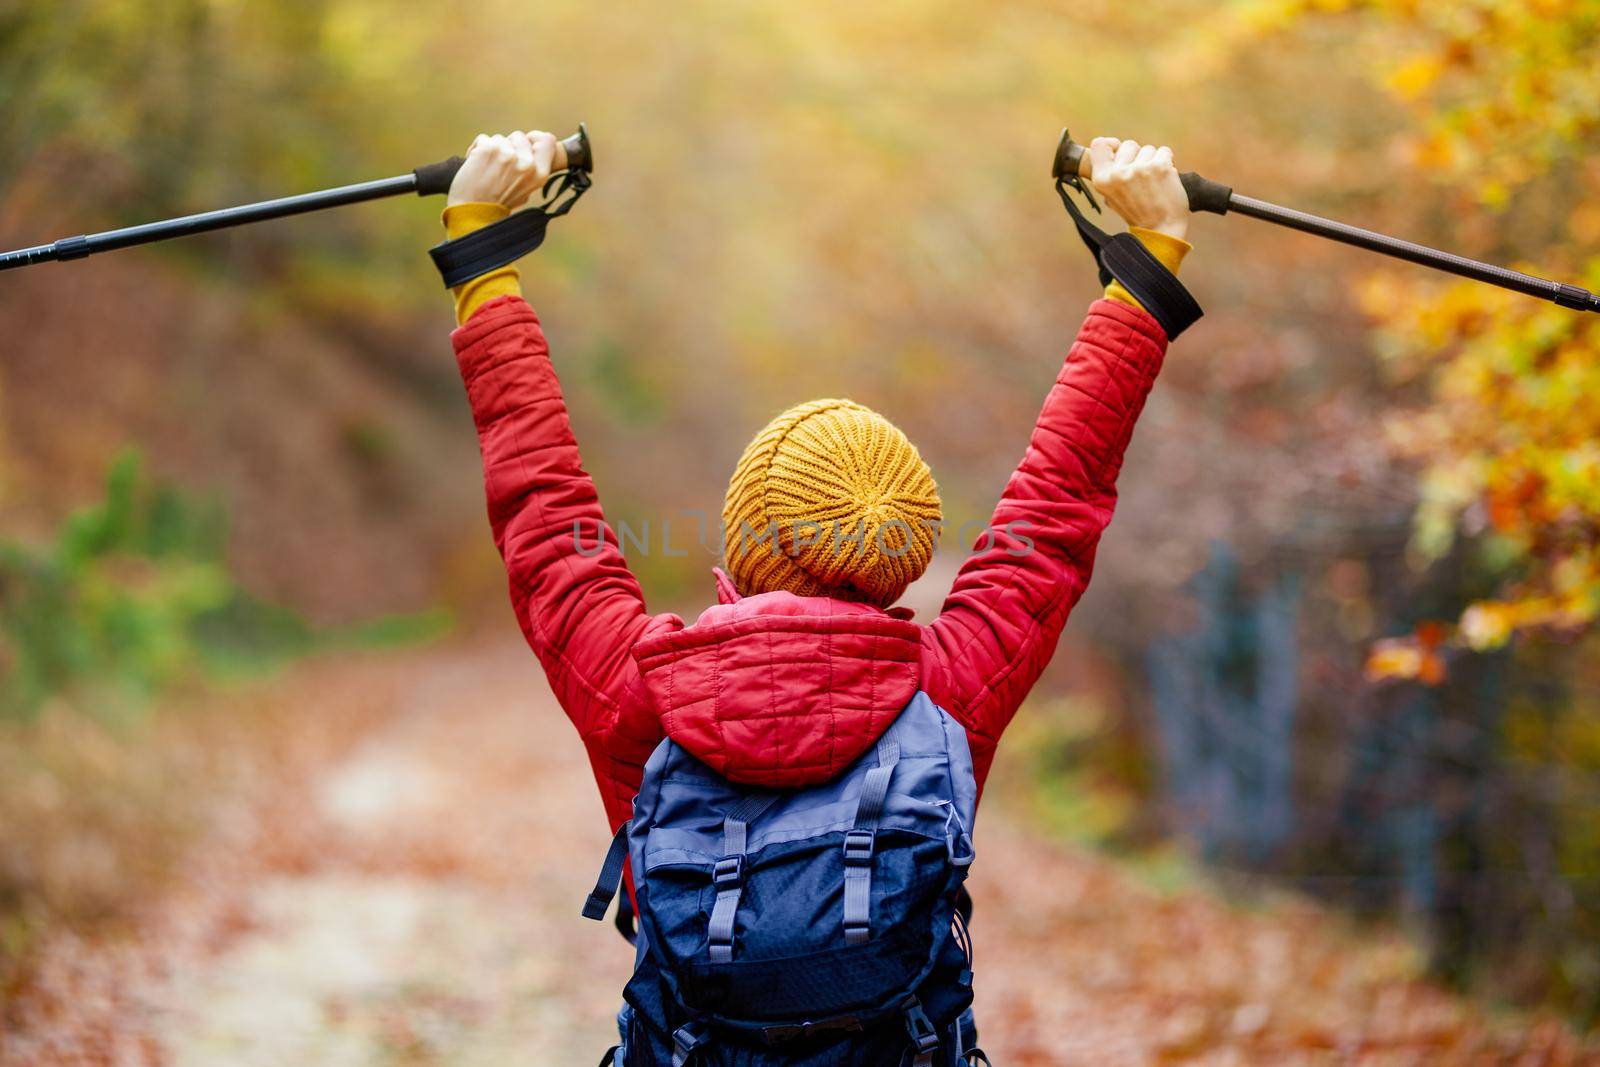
[{"x": 1225, "y": 695}]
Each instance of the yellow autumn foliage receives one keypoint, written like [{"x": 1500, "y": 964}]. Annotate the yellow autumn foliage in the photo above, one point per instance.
[{"x": 1505, "y": 97}]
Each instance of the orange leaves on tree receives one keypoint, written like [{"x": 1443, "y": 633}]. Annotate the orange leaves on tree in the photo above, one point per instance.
[
  {"x": 1414, "y": 657},
  {"x": 1509, "y": 443},
  {"x": 1505, "y": 100},
  {"x": 1412, "y": 79},
  {"x": 1504, "y": 89}
]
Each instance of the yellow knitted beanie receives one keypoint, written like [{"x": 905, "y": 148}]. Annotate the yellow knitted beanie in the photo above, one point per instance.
[{"x": 830, "y": 499}]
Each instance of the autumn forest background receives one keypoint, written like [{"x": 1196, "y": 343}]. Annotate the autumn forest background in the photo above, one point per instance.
[{"x": 1339, "y": 653}]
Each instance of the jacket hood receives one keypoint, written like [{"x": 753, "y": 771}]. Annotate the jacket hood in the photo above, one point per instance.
[{"x": 778, "y": 689}]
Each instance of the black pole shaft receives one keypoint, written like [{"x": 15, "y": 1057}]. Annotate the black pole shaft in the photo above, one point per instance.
[
  {"x": 430, "y": 180},
  {"x": 1569, "y": 296},
  {"x": 78, "y": 247},
  {"x": 1068, "y": 165}
]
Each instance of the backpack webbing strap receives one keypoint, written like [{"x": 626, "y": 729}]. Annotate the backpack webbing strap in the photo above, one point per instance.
[
  {"x": 502, "y": 243},
  {"x": 859, "y": 843},
  {"x": 728, "y": 874},
  {"x": 605, "y": 887},
  {"x": 774, "y": 1035},
  {"x": 1125, "y": 258}
]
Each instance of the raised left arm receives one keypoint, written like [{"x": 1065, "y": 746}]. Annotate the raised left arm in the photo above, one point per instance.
[{"x": 1001, "y": 622}]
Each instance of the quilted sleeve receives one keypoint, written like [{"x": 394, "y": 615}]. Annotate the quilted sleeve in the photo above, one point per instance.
[
  {"x": 999, "y": 626},
  {"x": 578, "y": 605}
]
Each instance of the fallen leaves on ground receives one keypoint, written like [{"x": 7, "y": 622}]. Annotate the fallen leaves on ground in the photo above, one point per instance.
[{"x": 400, "y": 885}]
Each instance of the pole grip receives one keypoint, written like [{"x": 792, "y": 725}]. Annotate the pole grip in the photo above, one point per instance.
[
  {"x": 1072, "y": 160},
  {"x": 572, "y": 153}
]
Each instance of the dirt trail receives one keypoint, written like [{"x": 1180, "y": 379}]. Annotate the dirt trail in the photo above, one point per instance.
[{"x": 415, "y": 901}]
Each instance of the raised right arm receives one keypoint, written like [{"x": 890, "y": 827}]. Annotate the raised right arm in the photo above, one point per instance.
[{"x": 574, "y": 597}]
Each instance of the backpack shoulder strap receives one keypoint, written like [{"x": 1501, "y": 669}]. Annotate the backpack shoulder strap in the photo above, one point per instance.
[{"x": 626, "y": 921}]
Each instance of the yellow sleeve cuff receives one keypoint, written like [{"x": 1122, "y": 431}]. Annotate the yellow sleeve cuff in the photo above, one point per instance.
[
  {"x": 1168, "y": 250},
  {"x": 460, "y": 220}
]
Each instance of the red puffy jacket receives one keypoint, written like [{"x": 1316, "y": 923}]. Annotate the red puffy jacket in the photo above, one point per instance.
[{"x": 777, "y": 689}]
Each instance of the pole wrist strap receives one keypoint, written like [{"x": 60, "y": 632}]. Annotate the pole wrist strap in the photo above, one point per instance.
[
  {"x": 1124, "y": 257},
  {"x": 502, "y": 243}
]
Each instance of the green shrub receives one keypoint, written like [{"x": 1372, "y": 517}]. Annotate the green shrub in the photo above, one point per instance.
[{"x": 132, "y": 596}]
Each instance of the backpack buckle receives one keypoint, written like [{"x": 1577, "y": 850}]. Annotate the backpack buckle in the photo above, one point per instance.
[
  {"x": 728, "y": 872},
  {"x": 920, "y": 1027},
  {"x": 858, "y": 848},
  {"x": 685, "y": 1040}
]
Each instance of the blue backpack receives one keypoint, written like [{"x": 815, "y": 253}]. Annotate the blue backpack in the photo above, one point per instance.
[{"x": 816, "y": 927}]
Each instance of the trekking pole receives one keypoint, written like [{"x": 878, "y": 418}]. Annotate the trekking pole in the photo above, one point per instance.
[
  {"x": 1072, "y": 164},
  {"x": 572, "y": 154}
]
